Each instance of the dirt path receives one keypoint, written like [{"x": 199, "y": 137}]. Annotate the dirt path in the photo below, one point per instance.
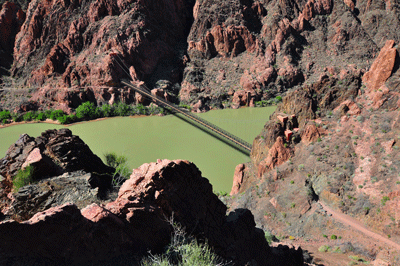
[{"x": 353, "y": 223}]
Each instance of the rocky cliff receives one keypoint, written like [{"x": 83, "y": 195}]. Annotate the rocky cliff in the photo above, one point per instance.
[
  {"x": 212, "y": 54},
  {"x": 334, "y": 143}
]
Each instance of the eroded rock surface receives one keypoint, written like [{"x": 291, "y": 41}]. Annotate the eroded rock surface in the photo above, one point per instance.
[
  {"x": 53, "y": 153},
  {"x": 137, "y": 221},
  {"x": 344, "y": 153}
]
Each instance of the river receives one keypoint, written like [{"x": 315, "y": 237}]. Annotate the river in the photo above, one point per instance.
[{"x": 146, "y": 139}]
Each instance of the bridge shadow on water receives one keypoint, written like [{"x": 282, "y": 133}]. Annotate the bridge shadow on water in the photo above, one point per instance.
[{"x": 213, "y": 134}]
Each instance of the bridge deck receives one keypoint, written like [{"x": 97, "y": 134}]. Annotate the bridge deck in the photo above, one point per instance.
[{"x": 160, "y": 101}]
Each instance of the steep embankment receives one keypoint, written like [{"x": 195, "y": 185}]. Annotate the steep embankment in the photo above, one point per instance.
[{"x": 335, "y": 142}]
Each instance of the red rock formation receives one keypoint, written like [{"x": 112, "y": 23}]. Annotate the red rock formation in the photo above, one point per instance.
[
  {"x": 80, "y": 56},
  {"x": 237, "y": 179},
  {"x": 277, "y": 155},
  {"x": 317, "y": 7},
  {"x": 225, "y": 41},
  {"x": 137, "y": 222},
  {"x": 382, "y": 67},
  {"x": 310, "y": 134}
]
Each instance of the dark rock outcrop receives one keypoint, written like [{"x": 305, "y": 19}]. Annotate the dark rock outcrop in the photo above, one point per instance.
[
  {"x": 11, "y": 19},
  {"x": 77, "y": 187},
  {"x": 137, "y": 221},
  {"x": 53, "y": 153}
]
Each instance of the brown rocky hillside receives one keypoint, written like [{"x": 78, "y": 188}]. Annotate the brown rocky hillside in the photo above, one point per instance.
[
  {"x": 334, "y": 144},
  {"x": 207, "y": 53}
]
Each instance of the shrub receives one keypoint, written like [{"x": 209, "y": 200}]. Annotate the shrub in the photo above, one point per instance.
[
  {"x": 107, "y": 110},
  {"x": 41, "y": 116},
  {"x": 118, "y": 162},
  {"x": 184, "y": 251},
  {"x": 5, "y": 115},
  {"x": 278, "y": 99},
  {"x": 86, "y": 110},
  {"x": 324, "y": 248},
  {"x": 122, "y": 109},
  {"x": 29, "y": 116},
  {"x": 384, "y": 199},
  {"x": 270, "y": 237},
  {"x": 333, "y": 237},
  {"x": 67, "y": 119},
  {"x": 55, "y": 114},
  {"x": 23, "y": 177}
]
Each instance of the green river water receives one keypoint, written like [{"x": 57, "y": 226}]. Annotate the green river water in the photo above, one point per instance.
[{"x": 146, "y": 139}]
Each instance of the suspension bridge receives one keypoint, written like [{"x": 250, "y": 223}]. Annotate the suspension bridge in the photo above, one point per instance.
[{"x": 142, "y": 89}]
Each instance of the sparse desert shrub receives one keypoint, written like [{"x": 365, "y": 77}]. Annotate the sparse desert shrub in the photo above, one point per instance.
[
  {"x": 270, "y": 237},
  {"x": 118, "y": 162},
  {"x": 23, "y": 177},
  {"x": 324, "y": 248},
  {"x": 184, "y": 250},
  {"x": 334, "y": 237},
  {"x": 384, "y": 199}
]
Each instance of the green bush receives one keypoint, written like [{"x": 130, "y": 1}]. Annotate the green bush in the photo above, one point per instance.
[
  {"x": 139, "y": 109},
  {"x": 67, "y": 119},
  {"x": 270, "y": 238},
  {"x": 55, "y": 114},
  {"x": 384, "y": 199},
  {"x": 41, "y": 116},
  {"x": 107, "y": 110},
  {"x": 278, "y": 99},
  {"x": 118, "y": 162},
  {"x": 29, "y": 116},
  {"x": 122, "y": 109},
  {"x": 5, "y": 115},
  {"x": 23, "y": 177},
  {"x": 184, "y": 251},
  {"x": 86, "y": 110}
]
